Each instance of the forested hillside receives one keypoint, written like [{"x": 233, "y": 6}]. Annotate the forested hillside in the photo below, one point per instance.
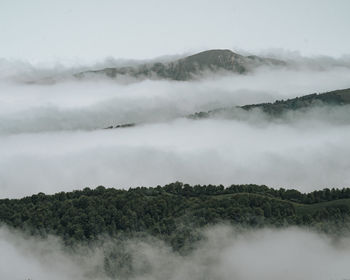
[
  {"x": 279, "y": 107},
  {"x": 173, "y": 212},
  {"x": 337, "y": 97}
]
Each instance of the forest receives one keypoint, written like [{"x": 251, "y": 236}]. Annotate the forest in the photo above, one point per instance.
[{"x": 174, "y": 213}]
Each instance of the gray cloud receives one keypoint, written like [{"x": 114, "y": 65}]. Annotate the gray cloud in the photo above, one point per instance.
[
  {"x": 24, "y": 257},
  {"x": 87, "y": 105},
  {"x": 224, "y": 253},
  {"x": 49, "y": 140},
  {"x": 304, "y": 155}
]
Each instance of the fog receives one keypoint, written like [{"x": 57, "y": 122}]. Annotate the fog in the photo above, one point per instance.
[
  {"x": 224, "y": 253},
  {"x": 52, "y": 136},
  {"x": 97, "y": 103}
]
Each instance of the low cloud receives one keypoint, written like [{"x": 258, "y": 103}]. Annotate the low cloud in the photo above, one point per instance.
[
  {"x": 52, "y": 139},
  {"x": 224, "y": 253},
  {"x": 88, "y": 105},
  {"x": 307, "y": 155}
]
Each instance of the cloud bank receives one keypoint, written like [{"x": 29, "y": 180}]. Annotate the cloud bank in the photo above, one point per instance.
[
  {"x": 224, "y": 253},
  {"x": 305, "y": 156},
  {"x": 91, "y": 104},
  {"x": 51, "y": 137}
]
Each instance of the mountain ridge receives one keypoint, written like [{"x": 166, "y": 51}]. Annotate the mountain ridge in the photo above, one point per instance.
[
  {"x": 330, "y": 98},
  {"x": 338, "y": 97},
  {"x": 189, "y": 67}
]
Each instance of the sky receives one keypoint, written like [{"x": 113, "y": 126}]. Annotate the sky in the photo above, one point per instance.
[{"x": 86, "y": 31}]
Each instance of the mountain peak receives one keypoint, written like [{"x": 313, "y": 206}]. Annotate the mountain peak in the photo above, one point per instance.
[
  {"x": 192, "y": 66},
  {"x": 214, "y": 52}
]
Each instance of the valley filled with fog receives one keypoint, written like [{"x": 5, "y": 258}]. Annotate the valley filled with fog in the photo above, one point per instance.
[{"x": 52, "y": 137}]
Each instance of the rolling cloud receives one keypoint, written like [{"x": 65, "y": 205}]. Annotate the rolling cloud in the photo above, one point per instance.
[
  {"x": 224, "y": 253},
  {"x": 51, "y": 137}
]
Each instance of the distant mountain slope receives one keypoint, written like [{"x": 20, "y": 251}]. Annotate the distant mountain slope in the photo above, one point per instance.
[
  {"x": 337, "y": 97},
  {"x": 275, "y": 109},
  {"x": 189, "y": 67}
]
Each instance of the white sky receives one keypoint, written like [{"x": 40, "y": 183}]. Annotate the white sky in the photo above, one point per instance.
[{"x": 91, "y": 30}]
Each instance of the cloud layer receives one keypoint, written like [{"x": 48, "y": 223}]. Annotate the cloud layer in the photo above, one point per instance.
[
  {"x": 305, "y": 156},
  {"x": 224, "y": 253},
  {"x": 51, "y": 137}
]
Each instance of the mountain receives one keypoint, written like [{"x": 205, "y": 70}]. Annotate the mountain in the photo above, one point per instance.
[
  {"x": 331, "y": 98},
  {"x": 189, "y": 67}
]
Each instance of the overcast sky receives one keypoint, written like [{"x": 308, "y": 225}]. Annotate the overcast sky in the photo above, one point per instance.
[{"x": 91, "y": 30}]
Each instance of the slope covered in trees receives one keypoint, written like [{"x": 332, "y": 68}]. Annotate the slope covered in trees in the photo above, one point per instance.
[
  {"x": 337, "y": 97},
  {"x": 173, "y": 212},
  {"x": 274, "y": 110},
  {"x": 279, "y": 107}
]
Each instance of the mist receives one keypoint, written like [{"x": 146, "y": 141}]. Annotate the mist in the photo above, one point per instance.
[
  {"x": 223, "y": 253},
  {"x": 303, "y": 156},
  {"x": 97, "y": 103},
  {"x": 52, "y": 137}
]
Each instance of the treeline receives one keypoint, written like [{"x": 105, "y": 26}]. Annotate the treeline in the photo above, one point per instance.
[
  {"x": 280, "y": 107},
  {"x": 338, "y": 97},
  {"x": 286, "y": 194},
  {"x": 172, "y": 213}
]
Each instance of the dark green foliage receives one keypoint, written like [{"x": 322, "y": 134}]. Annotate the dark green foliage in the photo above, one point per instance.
[
  {"x": 172, "y": 212},
  {"x": 337, "y": 97},
  {"x": 280, "y": 107}
]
